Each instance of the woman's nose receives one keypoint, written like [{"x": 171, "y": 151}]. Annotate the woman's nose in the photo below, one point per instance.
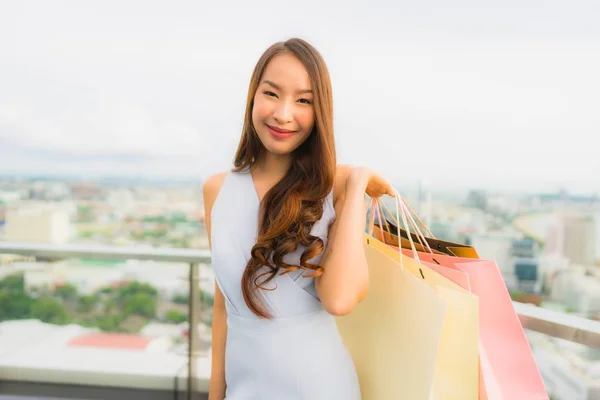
[{"x": 283, "y": 112}]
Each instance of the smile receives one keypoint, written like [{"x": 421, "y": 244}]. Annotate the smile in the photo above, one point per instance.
[{"x": 280, "y": 133}]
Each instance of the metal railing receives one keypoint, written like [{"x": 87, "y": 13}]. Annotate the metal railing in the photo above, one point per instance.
[
  {"x": 192, "y": 257},
  {"x": 552, "y": 323},
  {"x": 559, "y": 325}
]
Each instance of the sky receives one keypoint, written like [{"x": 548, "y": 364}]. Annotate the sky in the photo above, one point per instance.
[{"x": 454, "y": 94}]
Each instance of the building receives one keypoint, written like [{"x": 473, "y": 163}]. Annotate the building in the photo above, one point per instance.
[
  {"x": 524, "y": 255},
  {"x": 37, "y": 223},
  {"x": 122, "y": 202},
  {"x": 87, "y": 191},
  {"x": 574, "y": 236},
  {"x": 578, "y": 287}
]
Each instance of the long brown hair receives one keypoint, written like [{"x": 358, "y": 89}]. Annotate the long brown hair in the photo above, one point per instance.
[{"x": 292, "y": 206}]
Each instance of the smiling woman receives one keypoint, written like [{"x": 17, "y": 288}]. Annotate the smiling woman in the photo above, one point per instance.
[{"x": 286, "y": 228}]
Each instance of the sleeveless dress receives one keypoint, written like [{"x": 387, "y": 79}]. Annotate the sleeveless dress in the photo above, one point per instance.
[{"x": 298, "y": 354}]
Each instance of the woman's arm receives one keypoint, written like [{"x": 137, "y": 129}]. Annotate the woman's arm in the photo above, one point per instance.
[
  {"x": 345, "y": 279},
  {"x": 217, "y": 385}
]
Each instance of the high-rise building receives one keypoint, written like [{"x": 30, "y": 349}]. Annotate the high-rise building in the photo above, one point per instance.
[
  {"x": 39, "y": 223},
  {"x": 524, "y": 254},
  {"x": 573, "y": 236}
]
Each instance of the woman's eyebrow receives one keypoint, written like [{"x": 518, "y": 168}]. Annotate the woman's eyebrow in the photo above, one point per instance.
[{"x": 276, "y": 86}]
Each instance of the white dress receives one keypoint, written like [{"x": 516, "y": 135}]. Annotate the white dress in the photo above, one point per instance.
[{"x": 298, "y": 354}]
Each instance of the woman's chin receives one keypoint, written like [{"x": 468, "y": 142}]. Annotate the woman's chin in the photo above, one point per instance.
[{"x": 279, "y": 150}]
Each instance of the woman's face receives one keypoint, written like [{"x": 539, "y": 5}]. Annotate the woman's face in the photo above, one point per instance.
[{"x": 283, "y": 113}]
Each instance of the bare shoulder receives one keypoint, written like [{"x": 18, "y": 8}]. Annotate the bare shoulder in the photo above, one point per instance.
[
  {"x": 211, "y": 188},
  {"x": 210, "y": 191},
  {"x": 339, "y": 186}
]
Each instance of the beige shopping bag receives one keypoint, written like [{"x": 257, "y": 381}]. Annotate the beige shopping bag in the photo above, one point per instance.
[
  {"x": 394, "y": 334},
  {"x": 457, "y": 367}
]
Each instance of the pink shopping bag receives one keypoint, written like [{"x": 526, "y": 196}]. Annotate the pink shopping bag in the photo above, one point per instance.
[{"x": 508, "y": 369}]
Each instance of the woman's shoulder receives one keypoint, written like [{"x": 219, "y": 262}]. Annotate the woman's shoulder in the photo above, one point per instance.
[
  {"x": 342, "y": 172},
  {"x": 212, "y": 186}
]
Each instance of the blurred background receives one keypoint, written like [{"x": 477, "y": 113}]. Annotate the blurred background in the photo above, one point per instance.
[{"x": 112, "y": 114}]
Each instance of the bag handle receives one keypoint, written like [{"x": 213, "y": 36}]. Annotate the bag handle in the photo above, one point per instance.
[
  {"x": 400, "y": 213},
  {"x": 413, "y": 213},
  {"x": 424, "y": 243}
]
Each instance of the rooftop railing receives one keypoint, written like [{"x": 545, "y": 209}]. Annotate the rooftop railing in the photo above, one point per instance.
[{"x": 555, "y": 324}]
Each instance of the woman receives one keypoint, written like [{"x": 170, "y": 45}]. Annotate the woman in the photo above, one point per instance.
[{"x": 286, "y": 233}]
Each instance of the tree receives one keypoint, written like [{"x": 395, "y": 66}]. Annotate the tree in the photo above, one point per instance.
[
  {"x": 141, "y": 304},
  {"x": 180, "y": 299},
  {"x": 175, "y": 316},
  {"x": 135, "y": 288},
  {"x": 86, "y": 303},
  {"x": 14, "y": 306},
  {"x": 107, "y": 290},
  {"x": 207, "y": 298},
  {"x": 109, "y": 323},
  {"x": 50, "y": 310},
  {"x": 13, "y": 283},
  {"x": 66, "y": 292}
]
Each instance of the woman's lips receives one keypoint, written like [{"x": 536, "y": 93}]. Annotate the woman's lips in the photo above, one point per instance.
[{"x": 279, "y": 133}]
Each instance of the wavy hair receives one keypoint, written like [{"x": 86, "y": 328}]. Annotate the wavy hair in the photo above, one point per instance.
[{"x": 292, "y": 206}]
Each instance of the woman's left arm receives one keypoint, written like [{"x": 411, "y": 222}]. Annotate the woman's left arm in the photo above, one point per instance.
[{"x": 345, "y": 279}]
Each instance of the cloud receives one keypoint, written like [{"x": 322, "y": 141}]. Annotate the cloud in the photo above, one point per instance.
[
  {"x": 118, "y": 128},
  {"x": 469, "y": 93}
]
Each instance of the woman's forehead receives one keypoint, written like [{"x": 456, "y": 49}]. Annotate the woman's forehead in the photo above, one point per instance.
[{"x": 287, "y": 72}]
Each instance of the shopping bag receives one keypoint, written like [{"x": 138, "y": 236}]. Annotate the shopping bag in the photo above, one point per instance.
[
  {"x": 511, "y": 364},
  {"x": 457, "y": 368},
  {"x": 393, "y": 240},
  {"x": 436, "y": 245},
  {"x": 507, "y": 367},
  {"x": 394, "y": 333}
]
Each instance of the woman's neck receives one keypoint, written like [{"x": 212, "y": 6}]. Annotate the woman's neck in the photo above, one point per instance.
[{"x": 272, "y": 167}]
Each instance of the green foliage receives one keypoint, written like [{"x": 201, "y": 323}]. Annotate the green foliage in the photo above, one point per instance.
[
  {"x": 135, "y": 288},
  {"x": 178, "y": 218},
  {"x": 107, "y": 290},
  {"x": 66, "y": 292},
  {"x": 50, "y": 310},
  {"x": 110, "y": 322},
  {"x": 206, "y": 298},
  {"x": 180, "y": 299},
  {"x": 161, "y": 219},
  {"x": 134, "y": 299},
  {"x": 516, "y": 294},
  {"x": 175, "y": 316},
  {"x": 86, "y": 303},
  {"x": 14, "y": 305},
  {"x": 141, "y": 304},
  {"x": 13, "y": 283}
]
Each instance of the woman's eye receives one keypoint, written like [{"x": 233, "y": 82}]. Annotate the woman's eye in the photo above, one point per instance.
[
  {"x": 305, "y": 101},
  {"x": 269, "y": 93}
]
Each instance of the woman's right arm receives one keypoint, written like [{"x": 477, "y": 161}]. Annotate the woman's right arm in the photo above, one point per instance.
[{"x": 216, "y": 390}]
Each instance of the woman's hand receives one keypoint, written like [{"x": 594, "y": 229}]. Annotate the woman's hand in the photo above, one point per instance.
[{"x": 364, "y": 179}]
